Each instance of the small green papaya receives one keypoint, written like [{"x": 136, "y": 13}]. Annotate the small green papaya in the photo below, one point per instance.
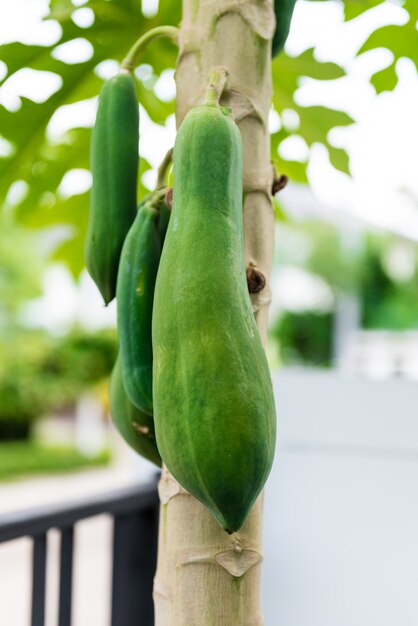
[
  {"x": 283, "y": 10},
  {"x": 163, "y": 220},
  {"x": 135, "y": 293},
  {"x": 135, "y": 426},
  {"x": 214, "y": 410},
  {"x": 114, "y": 166}
]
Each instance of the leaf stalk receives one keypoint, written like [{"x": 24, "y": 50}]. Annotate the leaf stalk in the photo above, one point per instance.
[{"x": 131, "y": 60}]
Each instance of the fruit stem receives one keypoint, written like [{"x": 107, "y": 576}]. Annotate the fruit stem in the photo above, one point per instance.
[
  {"x": 218, "y": 77},
  {"x": 162, "y": 170},
  {"x": 130, "y": 61},
  {"x": 155, "y": 199}
]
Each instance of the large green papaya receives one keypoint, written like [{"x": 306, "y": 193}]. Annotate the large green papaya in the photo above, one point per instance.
[
  {"x": 135, "y": 293},
  {"x": 135, "y": 426},
  {"x": 283, "y": 10},
  {"x": 214, "y": 410},
  {"x": 114, "y": 166}
]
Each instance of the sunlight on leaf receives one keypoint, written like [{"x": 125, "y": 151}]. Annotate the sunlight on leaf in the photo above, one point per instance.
[
  {"x": 75, "y": 51},
  {"x": 74, "y": 182},
  {"x": 84, "y": 18}
]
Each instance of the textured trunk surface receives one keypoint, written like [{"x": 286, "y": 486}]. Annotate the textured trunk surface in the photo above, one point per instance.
[{"x": 206, "y": 577}]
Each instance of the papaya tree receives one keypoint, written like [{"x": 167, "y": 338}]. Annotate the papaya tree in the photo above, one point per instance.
[{"x": 209, "y": 558}]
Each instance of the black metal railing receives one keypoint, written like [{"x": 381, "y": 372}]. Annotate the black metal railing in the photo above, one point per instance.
[{"x": 135, "y": 530}]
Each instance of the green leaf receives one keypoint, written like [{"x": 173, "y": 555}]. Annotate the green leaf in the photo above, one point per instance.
[
  {"x": 294, "y": 170},
  {"x": 401, "y": 40},
  {"x": 117, "y": 25},
  {"x": 290, "y": 69},
  {"x": 73, "y": 210},
  {"x": 25, "y": 128},
  {"x": 339, "y": 159},
  {"x": 385, "y": 80},
  {"x": 50, "y": 165},
  {"x": 43, "y": 207},
  {"x": 17, "y": 55},
  {"x": 315, "y": 121},
  {"x": 354, "y": 8}
]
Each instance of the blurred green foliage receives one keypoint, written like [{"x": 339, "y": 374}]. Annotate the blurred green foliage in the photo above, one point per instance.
[
  {"x": 40, "y": 373},
  {"x": 388, "y": 302},
  {"x": 304, "y": 338},
  {"x": 21, "y": 268},
  {"x": 29, "y": 457},
  {"x": 381, "y": 271},
  {"x": 341, "y": 268}
]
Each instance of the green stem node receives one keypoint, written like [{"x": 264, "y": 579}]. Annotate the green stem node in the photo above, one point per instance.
[{"x": 218, "y": 77}]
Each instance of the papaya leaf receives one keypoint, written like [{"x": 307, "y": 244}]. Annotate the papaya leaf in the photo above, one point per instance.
[
  {"x": 17, "y": 55},
  {"x": 45, "y": 207},
  {"x": 315, "y": 121},
  {"x": 50, "y": 165},
  {"x": 385, "y": 80},
  {"x": 304, "y": 65},
  {"x": 401, "y": 40},
  {"x": 71, "y": 250},
  {"x": 354, "y": 8},
  {"x": 25, "y": 128},
  {"x": 117, "y": 25},
  {"x": 294, "y": 170},
  {"x": 339, "y": 159}
]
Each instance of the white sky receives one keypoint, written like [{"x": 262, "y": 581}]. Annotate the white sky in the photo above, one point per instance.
[{"x": 383, "y": 145}]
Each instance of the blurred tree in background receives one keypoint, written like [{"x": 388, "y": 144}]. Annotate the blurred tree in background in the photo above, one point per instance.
[
  {"x": 40, "y": 374},
  {"x": 389, "y": 286},
  {"x": 383, "y": 275},
  {"x": 304, "y": 338},
  {"x": 21, "y": 268}
]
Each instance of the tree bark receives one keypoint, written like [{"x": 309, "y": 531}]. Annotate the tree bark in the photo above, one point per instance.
[{"x": 206, "y": 577}]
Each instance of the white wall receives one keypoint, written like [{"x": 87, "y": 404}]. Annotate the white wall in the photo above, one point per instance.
[{"x": 341, "y": 504}]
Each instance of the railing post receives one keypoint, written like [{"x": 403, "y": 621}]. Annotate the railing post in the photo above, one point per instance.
[
  {"x": 66, "y": 576},
  {"x": 38, "y": 579},
  {"x": 135, "y": 539}
]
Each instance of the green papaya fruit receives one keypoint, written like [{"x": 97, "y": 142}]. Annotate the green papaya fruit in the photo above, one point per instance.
[
  {"x": 214, "y": 409},
  {"x": 283, "y": 10},
  {"x": 135, "y": 292},
  {"x": 114, "y": 166},
  {"x": 159, "y": 203},
  {"x": 163, "y": 220},
  {"x": 135, "y": 426}
]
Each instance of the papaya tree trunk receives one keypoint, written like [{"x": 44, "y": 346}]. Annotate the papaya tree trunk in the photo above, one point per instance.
[{"x": 206, "y": 577}]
